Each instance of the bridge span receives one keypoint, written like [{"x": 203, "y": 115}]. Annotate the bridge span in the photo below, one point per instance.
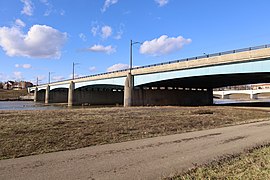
[
  {"x": 253, "y": 94},
  {"x": 182, "y": 82}
]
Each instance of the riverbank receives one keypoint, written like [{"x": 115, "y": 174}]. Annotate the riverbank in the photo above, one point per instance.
[
  {"x": 26, "y": 133},
  {"x": 12, "y": 95}
]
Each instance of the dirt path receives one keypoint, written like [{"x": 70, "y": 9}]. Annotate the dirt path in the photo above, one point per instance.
[{"x": 151, "y": 158}]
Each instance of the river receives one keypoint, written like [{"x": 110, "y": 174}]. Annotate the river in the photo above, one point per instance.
[
  {"x": 26, "y": 105},
  {"x": 30, "y": 105}
]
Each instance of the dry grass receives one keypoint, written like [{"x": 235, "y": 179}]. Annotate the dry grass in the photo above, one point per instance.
[
  {"x": 252, "y": 165},
  {"x": 11, "y": 94},
  {"x": 25, "y": 133}
]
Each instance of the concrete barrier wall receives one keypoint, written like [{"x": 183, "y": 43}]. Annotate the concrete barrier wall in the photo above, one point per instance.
[
  {"x": 174, "y": 97},
  {"x": 58, "y": 96},
  {"x": 95, "y": 97},
  {"x": 41, "y": 96}
]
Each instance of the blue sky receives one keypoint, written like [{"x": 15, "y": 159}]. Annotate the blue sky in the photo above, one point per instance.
[{"x": 42, "y": 36}]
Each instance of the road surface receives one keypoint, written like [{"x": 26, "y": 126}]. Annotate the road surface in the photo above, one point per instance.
[{"x": 152, "y": 158}]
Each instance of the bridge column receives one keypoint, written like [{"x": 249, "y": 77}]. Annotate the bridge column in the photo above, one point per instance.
[
  {"x": 47, "y": 94},
  {"x": 128, "y": 90},
  {"x": 253, "y": 96},
  {"x": 71, "y": 94},
  {"x": 35, "y": 94}
]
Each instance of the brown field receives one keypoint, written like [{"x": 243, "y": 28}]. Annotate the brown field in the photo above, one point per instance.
[
  {"x": 11, "y": 94},
  {"x": 24, "y": 133}
]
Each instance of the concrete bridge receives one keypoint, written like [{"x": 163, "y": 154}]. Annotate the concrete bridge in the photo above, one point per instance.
[
  {"x": 253, "y": 94},
  {"x": 182, "y": 82}
]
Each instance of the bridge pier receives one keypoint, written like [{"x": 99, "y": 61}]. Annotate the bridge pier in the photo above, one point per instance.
[
  {"x": 71, "y": 94},
  {"x": 253, "y": 96},
  {"x": 225, "y": 96},
  {"x": 36, "y": 94},
  {"x": 128, "y": 90},
  {"x": 47, "y": 94}
]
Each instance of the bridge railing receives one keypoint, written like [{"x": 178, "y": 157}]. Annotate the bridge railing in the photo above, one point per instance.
[{"x": 179, "y": 60}]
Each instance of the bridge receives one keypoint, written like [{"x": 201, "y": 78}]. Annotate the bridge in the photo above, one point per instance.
[
  {"x": 181, "y": 82},
  {"x": 253, "y": 94}
]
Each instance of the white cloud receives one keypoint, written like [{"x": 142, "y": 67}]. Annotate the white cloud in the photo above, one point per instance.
[
  {"x": 82, "y": 36},
  {"x": 25, "y": 66},
  {"x": 28, "y": 7},
  {"x": 94, "y": 30},
  {"x": 107, "y": 4},
  {"x": 92, "y": 69},
  {"x": 162, "y": 2},
  {"x": 41, "y": 41},
  {"x": 120, "y": 32},
  {"x": 106, "y": 31},
  {"x": 103, "y": 49},
  {"x": 19, "y": 23},
  {"x": 163, "y": 45},
  {"x": 117, "y": 67},
  {"x": 17, "y": 75},
  {"x": 49, "y": 7}
]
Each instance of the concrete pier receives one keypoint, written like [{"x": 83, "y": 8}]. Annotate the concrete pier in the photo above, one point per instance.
[
  {"x": 36, "y": 94},
  {"x": 71, "y": 94},
  {"x": 47, "y": 94},
  {"x": 128, "y": 90}
]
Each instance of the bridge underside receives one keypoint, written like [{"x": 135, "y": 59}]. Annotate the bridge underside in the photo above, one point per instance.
[
  {"x": 214, "y": 81},
  {"x": 182, "y": 91}
]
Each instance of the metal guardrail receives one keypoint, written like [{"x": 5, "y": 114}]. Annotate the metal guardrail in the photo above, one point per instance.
[{"x": 177, "y": 61}]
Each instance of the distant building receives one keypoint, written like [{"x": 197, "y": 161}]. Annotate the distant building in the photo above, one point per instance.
[
  {"x": 260, "y": 86},
  {"x": 11, "y": 85},
  {"x": 8, "y": 85}
]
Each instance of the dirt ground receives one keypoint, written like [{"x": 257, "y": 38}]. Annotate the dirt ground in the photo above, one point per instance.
[{"x": 24, "y": 133}]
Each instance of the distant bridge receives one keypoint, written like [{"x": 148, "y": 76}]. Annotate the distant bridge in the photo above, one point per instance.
[
  {"x": 182, "y": 82},
  {"x": 253, "y": 94}
]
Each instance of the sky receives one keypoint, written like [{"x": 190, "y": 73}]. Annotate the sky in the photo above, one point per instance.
[{"x": 38, "y": 37}]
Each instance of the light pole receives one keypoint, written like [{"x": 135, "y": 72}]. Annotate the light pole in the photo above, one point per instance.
[
  {"x": 130, "y": 61},
  {"x": 73, "y": 69},
  {"x": 49, "y": 79}
]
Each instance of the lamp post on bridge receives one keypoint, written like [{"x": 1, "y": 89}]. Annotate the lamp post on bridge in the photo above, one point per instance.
[
  {"x": 128, "y": 90},
  {"x": 49, "y": 79},
  {"x": 130, "y": 61},
  {"x": 73, "y": 70}
]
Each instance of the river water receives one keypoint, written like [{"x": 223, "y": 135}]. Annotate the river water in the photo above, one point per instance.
[
  {"x": 30, "y": 105},
  {"x": 26, "y": 105}
]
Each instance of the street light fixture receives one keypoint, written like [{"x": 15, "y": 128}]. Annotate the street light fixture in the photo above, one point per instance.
[
  {"x": 130, "y": 62},
  {"x": 73, "y": 70}
]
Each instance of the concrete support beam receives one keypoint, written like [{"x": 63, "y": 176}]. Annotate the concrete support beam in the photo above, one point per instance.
[
  {"x": 71, "y": 94},
  {"x": 128, "y": 90},
  {"x": 47, "y": 94},
  {"x": 253, "y": 96},
  {"x": 225, "y": 96},
  {"x": 35, "y": 94}
]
